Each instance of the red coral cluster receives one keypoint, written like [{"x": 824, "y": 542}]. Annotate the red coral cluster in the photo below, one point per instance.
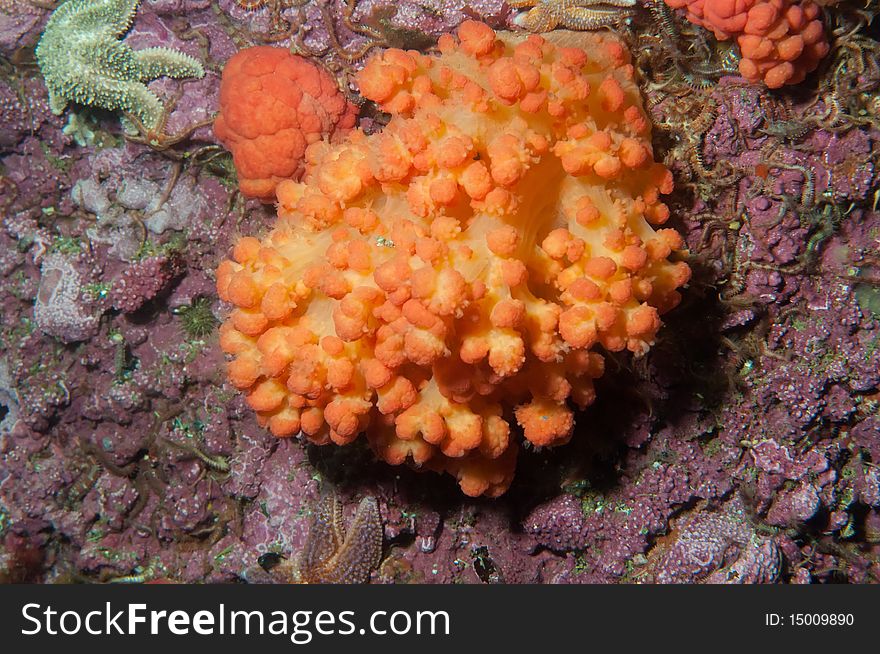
[
  {"x": 273, "y": 105},
  {"x": 780, "y": 40}
]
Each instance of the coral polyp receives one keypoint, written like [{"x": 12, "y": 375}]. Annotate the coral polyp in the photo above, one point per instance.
[{"x": 432, "y": 284}]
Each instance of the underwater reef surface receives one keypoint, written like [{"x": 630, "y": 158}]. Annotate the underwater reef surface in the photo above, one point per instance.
[{"x": 743, "y": 447}]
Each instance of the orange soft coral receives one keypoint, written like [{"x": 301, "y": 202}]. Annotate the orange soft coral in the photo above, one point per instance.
[
  {"x": 780, "y": 40},
  {"x": 435, "y": 283},
  {"x": 272, "y": 106}
]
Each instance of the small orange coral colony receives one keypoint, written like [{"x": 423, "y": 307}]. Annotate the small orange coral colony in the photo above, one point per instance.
[
  {"x": 431, "y": 284},
  {"x": 272, "y": 106},
  {"x": 780, "y": 40}
]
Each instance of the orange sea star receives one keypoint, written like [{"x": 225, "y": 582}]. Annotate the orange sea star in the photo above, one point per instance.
[
  {"x": 333, "y": 556},
  {"x": 276, "y": 4},
  {"x": 546, "y": 15}
]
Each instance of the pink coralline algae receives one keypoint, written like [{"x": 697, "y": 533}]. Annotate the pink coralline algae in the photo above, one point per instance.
[
  {"x": 23, "y": 109},
  {"x": 20, "y": 24},
  {"x": 607, "y": 529},
  {"x": 795, "y": 506},
  {"x": 867, "y": 484},
  {"x": 9, "y": 402},
  {"x": 62, "y": 308},
  {"x": 714, "y": 548},
  {"x": 142, "y": 281},
  {"x": 400, "y": 19},
  {"x": 559, "y": 524}
]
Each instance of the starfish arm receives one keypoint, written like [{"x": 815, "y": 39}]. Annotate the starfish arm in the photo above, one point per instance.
[
  {"x": 539, "y": 19},
  {"x": 111, "y": 16},
  {"x": 165, "y": 62},
  {"x": 67, "y": 9},
  {"x": 137, "y": 99},
  {"x": 117, "y": 15},
  {"x": 362, "y": 549},
  {"x": 133, "y": 97},
  {"x": 547, "y": 15},
  {"x": 590, "y": 18},
  {"x": 324, "y": 538},
  {"x": 613, "y": 3},
  {"x": 57, "y": 103}
]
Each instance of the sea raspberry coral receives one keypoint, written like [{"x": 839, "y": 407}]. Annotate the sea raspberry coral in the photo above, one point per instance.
[
  {"x": 433, "y": 283},
  {"x": 273, "y": 104},
  {"x": 780, "y": 40}
]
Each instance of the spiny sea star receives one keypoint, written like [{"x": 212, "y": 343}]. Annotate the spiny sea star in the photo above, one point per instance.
[
  {"x": 83, "y": 60},
  {"x": 332, "y": 556},
  {"x": 278, "y": 4},
  {"x": 546, "y": 15}
]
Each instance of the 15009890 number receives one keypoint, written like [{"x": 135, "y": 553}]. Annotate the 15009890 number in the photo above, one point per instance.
[{"x": 821, "y": 619}]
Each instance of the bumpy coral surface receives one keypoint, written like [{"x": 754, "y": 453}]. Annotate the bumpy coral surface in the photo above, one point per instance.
[
  {"x": 436, "y": 282},
  {"x": 780, "y": 40},
  {"x": 273, "y": 105}
]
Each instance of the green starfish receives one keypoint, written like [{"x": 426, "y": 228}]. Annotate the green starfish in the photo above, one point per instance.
[{"x": 83, "y": 60}]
